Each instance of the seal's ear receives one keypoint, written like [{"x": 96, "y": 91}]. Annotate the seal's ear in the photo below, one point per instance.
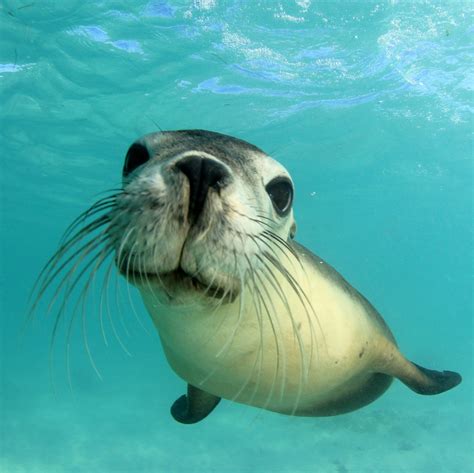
[{"x": 293, "y": 230}]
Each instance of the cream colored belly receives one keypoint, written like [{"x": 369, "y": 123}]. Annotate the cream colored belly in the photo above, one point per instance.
[{"x": 259, "y": 352}]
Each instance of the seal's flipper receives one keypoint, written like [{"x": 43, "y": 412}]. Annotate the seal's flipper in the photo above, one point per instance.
[
  {"x": 194, "y": 406},
  {"x": 425, "y": 381}
]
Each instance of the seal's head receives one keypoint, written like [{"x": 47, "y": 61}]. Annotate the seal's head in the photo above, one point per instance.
[{"x": 197, "y": 212}]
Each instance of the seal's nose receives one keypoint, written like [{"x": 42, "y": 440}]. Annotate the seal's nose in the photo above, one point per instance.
[{"x": 202, "y": 174}]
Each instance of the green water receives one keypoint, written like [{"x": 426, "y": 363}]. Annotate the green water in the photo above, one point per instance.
[{"x": 369, "y": 106}]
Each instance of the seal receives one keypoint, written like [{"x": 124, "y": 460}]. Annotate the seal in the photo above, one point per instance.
[{"x": 203, "y": 227}]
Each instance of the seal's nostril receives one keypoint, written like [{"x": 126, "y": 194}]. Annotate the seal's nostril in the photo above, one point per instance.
[
  {"x": 190, "y": 167},
  {"x": 202, "y": 173},
  {"x": 210, "y": 172}
]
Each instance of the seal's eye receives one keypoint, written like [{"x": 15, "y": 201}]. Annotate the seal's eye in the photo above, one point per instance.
[
  {"x": 137, "y": 155},
  {"x": 280, "y": 191}
]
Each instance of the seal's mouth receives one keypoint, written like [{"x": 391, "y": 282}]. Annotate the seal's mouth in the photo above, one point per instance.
[{"x": 177, "y": 280}]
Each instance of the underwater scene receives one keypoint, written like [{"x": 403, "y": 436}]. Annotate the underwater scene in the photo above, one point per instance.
[{"x": 256, "y": 172}]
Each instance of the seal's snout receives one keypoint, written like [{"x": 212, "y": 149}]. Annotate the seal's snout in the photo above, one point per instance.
[{"x": 202, "y": 174}]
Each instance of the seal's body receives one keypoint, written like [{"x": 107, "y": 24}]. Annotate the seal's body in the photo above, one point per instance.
[
  {"x": 204, "y": 228},
  {"x": 292, "y": 359}
]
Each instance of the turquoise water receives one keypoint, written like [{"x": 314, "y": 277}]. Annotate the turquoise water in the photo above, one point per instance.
[{"x": 368, "y": 104}]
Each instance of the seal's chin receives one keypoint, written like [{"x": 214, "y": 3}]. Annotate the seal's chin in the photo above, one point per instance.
[{"x": 180, "y": 282}]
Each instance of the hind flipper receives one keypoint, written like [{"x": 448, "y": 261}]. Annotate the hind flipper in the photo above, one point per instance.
[
  {"x": 425, "y": 381},
  {"x": 193, "y": 406},
  {"x": 422, "y": 380}
]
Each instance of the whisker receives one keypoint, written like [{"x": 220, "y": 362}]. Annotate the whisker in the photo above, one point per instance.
[
  {"x": 227, "y": 345},
  {"x": 103, "y": 294},
  {"x": 305, "y": 301},
  {"x": 79, "y": 257},
  {"x": 71, "y": 285},
  {"x": 259, "y": 355},
  {"x": 120, "y": 259},
  {"x": 98, "y": 258},
  {"x": 261, "y": 300},
  {"x": 136, "y": 269},
  {"x": 119, "y": 252},
  {"x": 270, "y": 247},
  {"x": 141, "y": 265},
  {"x": 128, "y": 274},
  {"x": 117, "y": 292},
  {"x": 102, "y": 205},
  {"x": 304, "y": 373},
  {"x": 91, "y": 244},
  {"x": 105, "y": 286},
  {"x": 106, "y": 251},
  {"x": 44, "y": 279},
  {"x": 283, "y": 244}
]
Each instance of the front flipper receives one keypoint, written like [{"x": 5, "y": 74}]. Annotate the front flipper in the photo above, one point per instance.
[
  {"x": 422, "y": 380},
  {"x": 194, "y": 406}
]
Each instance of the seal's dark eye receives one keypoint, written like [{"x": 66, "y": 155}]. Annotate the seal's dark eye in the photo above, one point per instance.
[
  {"x": 280, "y": 191},
  {"x": 137, "y": 155}
]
